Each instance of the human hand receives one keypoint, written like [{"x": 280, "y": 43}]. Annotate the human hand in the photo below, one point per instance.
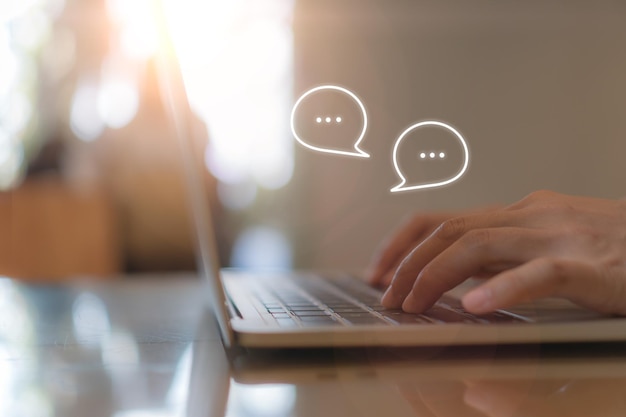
[
  {"x": 398, "y": 245},
  {"x": 407, "y": 236},
  {"x": 547, "y": 244}
]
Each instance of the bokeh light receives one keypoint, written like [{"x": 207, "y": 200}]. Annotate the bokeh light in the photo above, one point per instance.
[
  {"x": 261, "y": 400},
  {"x": 24, "y": 28},
  {"x": 237, "y": 196},
  {"x": 239, "y": 84},
  {"x": 262, "y": 247},
  {"x": 85, "y": 119},
  {"x": 118, "y": 101}
]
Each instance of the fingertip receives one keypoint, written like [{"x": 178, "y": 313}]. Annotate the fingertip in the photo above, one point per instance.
[
  {"x": 391, "y": 299},
  {"x": 479, "y": 300},
  {"x": 386, "y": 299},
  {"x": 412, "y": 305}
]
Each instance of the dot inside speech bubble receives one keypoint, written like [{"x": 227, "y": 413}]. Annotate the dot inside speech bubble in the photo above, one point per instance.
[
  {"x": 429, "y": 154},
  {"x": 330, "y": 119}
]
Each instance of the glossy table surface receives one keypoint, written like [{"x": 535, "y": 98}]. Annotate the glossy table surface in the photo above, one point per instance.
[{"x": 147, "y": 347}]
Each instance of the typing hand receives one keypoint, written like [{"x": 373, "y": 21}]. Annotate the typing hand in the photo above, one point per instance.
[
  {"x": 547, "y": 244},
  {"x": 398, "y": 246}
]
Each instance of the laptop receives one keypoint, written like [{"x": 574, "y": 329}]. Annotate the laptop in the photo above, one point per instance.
[{"x": 296, "y": 309}]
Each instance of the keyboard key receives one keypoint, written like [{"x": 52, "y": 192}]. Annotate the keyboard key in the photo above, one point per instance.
[
  {"x": 304, "y": 308},
  {"x": 366, "y": 319},
  {"x": 281, "y": 316},
  {"x": 361, "y": 313},
  {"x": 497, "y": 317},
  {"x": 319, "y": 320},
  {"x": 288, "y": 323},
  {"x": 341, "y": 305},
  {"x": 334, "y": 296},
  {"x": 448, "y": 316},
  {"x": 312, "y": 313},
  {"x": 343, "y": 310},
  {"x": 400, "y": 317}
]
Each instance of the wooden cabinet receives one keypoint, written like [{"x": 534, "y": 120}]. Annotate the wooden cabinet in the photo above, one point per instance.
[{"x": 49, "y": 232}]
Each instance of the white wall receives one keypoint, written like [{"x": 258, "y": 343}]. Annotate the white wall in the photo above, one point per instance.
[{"x": 538, "y": 88}]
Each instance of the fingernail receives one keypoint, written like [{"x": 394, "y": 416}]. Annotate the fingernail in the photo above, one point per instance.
[{"x": 478, "y": 300}]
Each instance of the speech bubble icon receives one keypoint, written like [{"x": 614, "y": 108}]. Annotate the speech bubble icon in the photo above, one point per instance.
[
  {"x": 436, "y": 154},
  {"x": 330, "y": 119}
]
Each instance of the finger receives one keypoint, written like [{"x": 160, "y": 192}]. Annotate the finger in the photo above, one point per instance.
[
  {"x": 540, "y": 196},
  {"x": 490, "y": 271},
  {"x": 383, "y": 276},
  {"x": 391, "y": 253},
  {"x": 588, "y": 285},
  {"x": 472, "y": 254},
  {"x": 388, "y": 276},
  {"x": 444, "y": 236},
  {"x": 395, "y": 248}
]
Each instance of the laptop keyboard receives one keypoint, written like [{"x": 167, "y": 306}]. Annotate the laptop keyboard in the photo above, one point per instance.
[{"x": 315, "y": 301}]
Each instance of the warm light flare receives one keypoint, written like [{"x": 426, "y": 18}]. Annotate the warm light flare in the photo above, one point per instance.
[
  {"x": 117, "y": 101},
  {"x": 139, "y": 31},
  {"x": 233, "y": 57},
  {"x": 24, "y": 28},
  {"x": 85, "y": 120},
  {"x": 11, "y": 9},
  {"x": 236, "y": 58}
]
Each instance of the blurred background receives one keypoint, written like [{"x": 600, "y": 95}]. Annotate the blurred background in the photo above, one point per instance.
[{"x": 91, "y": 178}]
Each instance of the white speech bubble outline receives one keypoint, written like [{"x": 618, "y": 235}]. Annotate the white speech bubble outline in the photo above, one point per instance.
[
  {"x": 359, "y": 152},
  {"x": 400, "y": 187}
]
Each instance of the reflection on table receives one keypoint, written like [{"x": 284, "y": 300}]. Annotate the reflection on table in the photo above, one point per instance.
[{"x": 148, "y": 347}]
